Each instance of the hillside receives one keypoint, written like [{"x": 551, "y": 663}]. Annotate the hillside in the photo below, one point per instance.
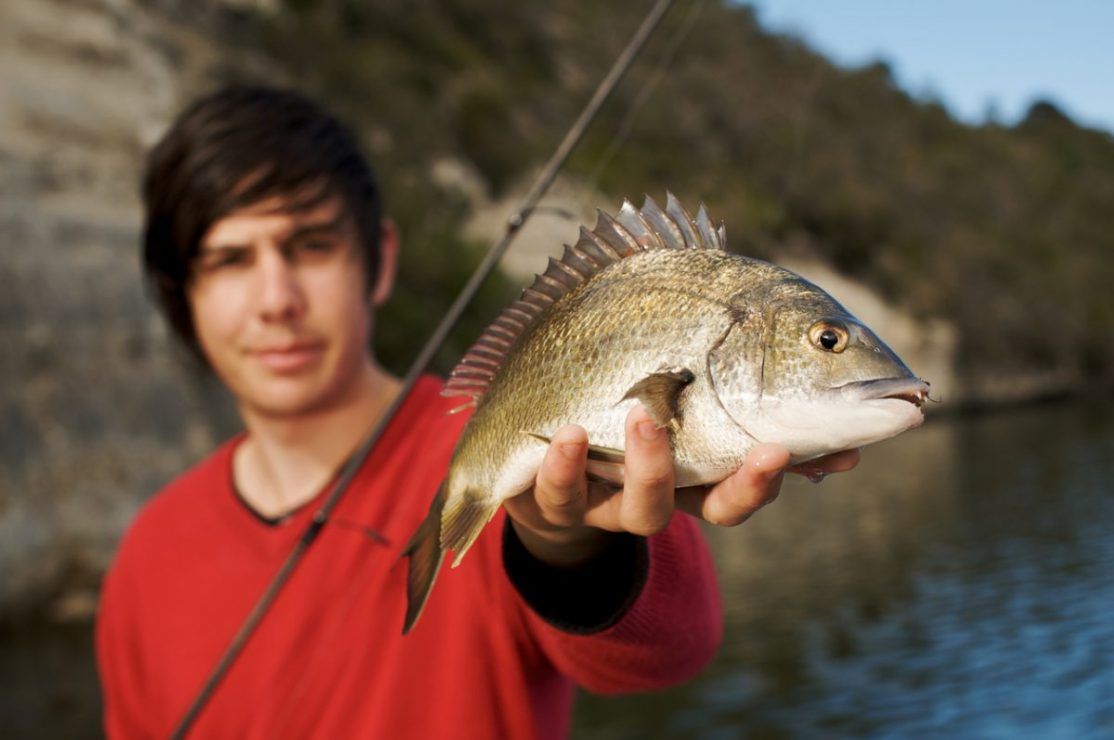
[{"x": 1005, "y": 232}]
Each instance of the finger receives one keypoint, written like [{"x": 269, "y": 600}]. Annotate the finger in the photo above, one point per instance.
[
  {"x": 560, "y": 490},
  {"x": 839, "y": 462},
  {"x": 646, "y": 505},
  {"x": 560, "y": 486},
  {"x": 734, "y": 500}
]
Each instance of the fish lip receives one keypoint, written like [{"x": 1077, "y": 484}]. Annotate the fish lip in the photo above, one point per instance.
[{"x": 911, "y": 390}]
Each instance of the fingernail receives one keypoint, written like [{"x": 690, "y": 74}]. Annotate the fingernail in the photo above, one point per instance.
[
  {"x": 766, "y": 473},
  {"x": 772, "y": 474},
  {"x": 648, "y": 430},
  {"x": 571, "y": 450}
]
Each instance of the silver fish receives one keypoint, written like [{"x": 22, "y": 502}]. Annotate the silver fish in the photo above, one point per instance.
[{"x": 725, "y": 351}]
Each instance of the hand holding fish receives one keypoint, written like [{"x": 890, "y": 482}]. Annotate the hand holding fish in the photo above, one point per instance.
[{"x": 565, "y": 518}]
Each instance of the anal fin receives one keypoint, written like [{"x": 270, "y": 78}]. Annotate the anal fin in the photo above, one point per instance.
[
  {"x": 659, "y": 393},
  {"x": 463, "y": 519}
]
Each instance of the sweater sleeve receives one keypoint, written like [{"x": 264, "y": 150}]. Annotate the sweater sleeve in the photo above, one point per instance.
[
  {"x": 118, "y": 664},
  {"x": 670, "y": 629}
]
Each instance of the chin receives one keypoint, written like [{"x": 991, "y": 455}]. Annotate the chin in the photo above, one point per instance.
[
  {"x": 273, "y": 408},
  {"x": 287, "y": 399}
]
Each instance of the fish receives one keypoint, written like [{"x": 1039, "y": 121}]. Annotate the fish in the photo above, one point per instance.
[{"x": 724, "y": 351}]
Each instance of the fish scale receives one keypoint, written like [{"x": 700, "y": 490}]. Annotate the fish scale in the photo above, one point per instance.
[{"x": 724, "y": 351}]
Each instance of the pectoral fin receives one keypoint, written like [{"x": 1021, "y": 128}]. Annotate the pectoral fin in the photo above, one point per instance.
[
  {"x": 604, "y": 463},
  {"x": 596, "y": 453},
  {"x": 659, "y": 394}
]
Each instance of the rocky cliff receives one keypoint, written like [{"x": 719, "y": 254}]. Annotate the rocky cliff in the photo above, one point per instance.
[{"x": 96, "y": 411}]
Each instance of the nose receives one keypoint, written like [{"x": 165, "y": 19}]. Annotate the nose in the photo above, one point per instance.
[{"x": 281, "y": 297}]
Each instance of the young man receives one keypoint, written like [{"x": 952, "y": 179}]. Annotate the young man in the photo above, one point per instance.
[{"x": 268, "y": 253}]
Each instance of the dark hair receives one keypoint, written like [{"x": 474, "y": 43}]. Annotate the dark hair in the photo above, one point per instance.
[{"x": 232, "y": 149}]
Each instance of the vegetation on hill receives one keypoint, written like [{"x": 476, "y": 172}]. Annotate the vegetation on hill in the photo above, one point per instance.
[{"x": 1006, "y": 231}]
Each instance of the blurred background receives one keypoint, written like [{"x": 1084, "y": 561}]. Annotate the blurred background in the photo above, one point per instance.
[{"x": 946, "y": 171}]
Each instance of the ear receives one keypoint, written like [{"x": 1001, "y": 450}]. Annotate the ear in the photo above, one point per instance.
[{"x": 388, "y": 263}]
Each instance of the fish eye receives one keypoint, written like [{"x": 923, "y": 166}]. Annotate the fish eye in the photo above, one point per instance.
[{"x": 829, "y": 336}]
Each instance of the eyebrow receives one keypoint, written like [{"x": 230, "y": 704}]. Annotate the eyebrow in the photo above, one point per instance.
[
  {"x": 335, "y": 225},
  {"x": 332, "y": 226}
]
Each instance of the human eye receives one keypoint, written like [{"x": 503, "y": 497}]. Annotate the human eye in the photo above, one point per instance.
[
  {"x": 222, "y": 258},
  {"x": 317, "y": 245},
  {"x": 313, "y": 247}
]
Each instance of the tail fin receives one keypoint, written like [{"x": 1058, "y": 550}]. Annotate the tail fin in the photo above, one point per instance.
[{"x": 425, "y": 553}]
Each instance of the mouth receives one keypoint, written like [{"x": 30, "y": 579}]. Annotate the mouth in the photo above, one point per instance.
[
  {"x": 916, "y": 398},
  {"x": 910, "y": 390},
  {"x": 288, "y": 358}
]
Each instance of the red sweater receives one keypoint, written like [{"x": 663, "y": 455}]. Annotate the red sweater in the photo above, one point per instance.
[{"x": 329, "y": 659}]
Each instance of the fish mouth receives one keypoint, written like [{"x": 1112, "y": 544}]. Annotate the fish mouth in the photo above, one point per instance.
[{"x": 911, "y": 390}]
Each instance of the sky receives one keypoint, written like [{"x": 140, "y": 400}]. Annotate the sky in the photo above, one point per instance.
[{"x": 973, "y": 56}]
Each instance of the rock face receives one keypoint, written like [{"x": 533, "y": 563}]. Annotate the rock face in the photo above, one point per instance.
[{"x": 97, "y": 412}]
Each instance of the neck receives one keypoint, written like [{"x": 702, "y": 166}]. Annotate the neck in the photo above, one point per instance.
[{"x": 286, "y": 460}]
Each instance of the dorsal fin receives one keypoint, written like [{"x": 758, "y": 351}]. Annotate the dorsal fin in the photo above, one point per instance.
[{"x": 613, "y": 239}]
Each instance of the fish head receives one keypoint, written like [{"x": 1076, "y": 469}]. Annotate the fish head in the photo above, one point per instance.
[{"x": 819, "y": 380}]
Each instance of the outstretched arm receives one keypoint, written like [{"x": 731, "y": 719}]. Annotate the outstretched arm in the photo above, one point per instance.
[{"x": 623, "y": 593}]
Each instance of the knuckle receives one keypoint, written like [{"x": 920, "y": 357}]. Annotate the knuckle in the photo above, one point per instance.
[
  {"x": 723, "y": 519},
  {"x": 562, "y": 501},
  {"x": 716, "y": 518},
  {"x": 656, "y": 479},
  {"x": 648, "y": 524},
  {"x": 560, "y": 480},
  {"x": 731, "y": 511},
  {"x": 641, "y": 529}
]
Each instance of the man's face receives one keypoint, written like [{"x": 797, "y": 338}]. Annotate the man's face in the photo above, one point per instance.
[{"x": 280, "y": 305}]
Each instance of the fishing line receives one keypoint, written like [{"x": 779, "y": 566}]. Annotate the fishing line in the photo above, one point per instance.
[
  {"x": 794, "y": 168},
  {"x": 625, "y": 129},
  {"x": 321, "y": 516}
]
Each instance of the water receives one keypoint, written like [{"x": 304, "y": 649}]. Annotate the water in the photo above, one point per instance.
[{"x": 959, "y": 583}]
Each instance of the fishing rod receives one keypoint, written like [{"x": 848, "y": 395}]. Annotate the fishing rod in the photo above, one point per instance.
[{"x": 529, "y": 204}]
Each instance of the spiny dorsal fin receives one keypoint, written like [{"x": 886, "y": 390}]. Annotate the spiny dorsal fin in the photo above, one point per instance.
[{"x": 613, "y": 239}]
